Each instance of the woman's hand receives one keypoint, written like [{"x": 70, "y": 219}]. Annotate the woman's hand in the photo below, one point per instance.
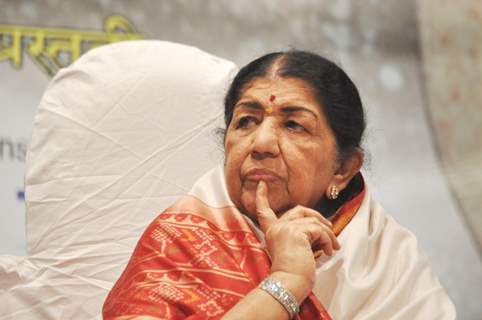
[{"x": 291, "y": 240}]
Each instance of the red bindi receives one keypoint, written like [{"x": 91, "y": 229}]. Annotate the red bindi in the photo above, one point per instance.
[{"x": 271, "y": 98}]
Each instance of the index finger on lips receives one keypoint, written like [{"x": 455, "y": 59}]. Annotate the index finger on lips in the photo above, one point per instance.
[{"x": 266, "y": 216}]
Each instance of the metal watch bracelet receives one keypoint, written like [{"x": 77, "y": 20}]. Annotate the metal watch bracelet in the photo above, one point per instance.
[{"x": 282, "y": 295}]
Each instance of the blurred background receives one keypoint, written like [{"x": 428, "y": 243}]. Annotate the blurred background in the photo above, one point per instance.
[{"x": 417, "y": 64}]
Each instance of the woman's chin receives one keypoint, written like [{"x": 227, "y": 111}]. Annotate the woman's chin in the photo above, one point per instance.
[{"x": 248, "y": 205}]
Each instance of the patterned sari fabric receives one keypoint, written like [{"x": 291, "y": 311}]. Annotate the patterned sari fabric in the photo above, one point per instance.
[{"x": 196, "y": 261}]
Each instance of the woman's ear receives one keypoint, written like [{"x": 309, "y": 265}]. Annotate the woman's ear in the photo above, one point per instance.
[{"x": 347, "y": 170}]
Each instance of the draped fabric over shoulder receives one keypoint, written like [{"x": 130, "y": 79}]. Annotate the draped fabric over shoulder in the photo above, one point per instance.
[
  {"x": 197, "y": 259},
  {"x": 201, "y": 255}
]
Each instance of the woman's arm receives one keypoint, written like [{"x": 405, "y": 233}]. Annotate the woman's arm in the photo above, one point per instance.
[
  {"x": 289, "y": 242},
  {"x": 259, "y": 304}
]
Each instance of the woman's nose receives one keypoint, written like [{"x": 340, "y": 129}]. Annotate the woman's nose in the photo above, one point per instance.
[{"x": 265, "y": 141}]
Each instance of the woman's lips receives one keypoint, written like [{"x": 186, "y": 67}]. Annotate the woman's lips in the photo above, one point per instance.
[{"x": 261, "y": 174}]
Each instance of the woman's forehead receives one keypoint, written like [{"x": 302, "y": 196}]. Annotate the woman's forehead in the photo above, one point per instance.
[
  {"x": 277, "y": 91},
  {"x": 278, "y": 84}
]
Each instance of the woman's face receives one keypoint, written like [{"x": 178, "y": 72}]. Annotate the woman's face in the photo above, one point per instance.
[{"x": 279, "y": 134}]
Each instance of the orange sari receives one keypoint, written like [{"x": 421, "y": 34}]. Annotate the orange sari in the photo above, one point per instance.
[{"x": 195, "y": 261}]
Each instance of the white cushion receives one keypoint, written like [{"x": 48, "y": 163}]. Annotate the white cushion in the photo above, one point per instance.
[{"x": 118, "y": 136}]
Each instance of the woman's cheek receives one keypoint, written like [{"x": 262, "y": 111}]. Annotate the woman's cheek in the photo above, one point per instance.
[
  {"x": 233, "y": 174},
  {"x": 300, "y": 177}
]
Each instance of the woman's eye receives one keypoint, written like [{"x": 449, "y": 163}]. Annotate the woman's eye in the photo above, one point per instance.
[
  {"x": 295, "y": 126},
  {"x": 246, "y": 122}
]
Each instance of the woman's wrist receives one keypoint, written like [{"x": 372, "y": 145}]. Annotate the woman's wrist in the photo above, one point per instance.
[
  {"x": 282, "y": 295},
  {"x": 297, "y": 285}
]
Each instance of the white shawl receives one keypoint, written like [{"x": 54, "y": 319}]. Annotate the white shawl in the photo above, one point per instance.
[{"x": 379, "y": 273}]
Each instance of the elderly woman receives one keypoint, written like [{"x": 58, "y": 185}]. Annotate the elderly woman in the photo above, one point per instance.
[{"x": 286, "y": 229}]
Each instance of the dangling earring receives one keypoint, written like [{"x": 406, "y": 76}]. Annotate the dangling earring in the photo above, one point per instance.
[{"x": 333, "y": 192}]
